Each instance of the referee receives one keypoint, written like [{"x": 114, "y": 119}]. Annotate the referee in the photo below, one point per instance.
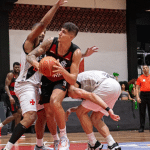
[{"x": 143, "y": 95}]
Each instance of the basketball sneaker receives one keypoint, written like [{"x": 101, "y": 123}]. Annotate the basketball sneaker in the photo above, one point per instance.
[
  {"x": 97, "y": 146},
  {"x": 56, "y": 143},
  {"x": 42, "y": 148},
  {"x": 115, "y": 146},
  {"x": 64, "y": 143}
]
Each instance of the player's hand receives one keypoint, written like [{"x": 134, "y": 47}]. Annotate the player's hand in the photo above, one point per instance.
[
  {"x": 58, "y": 68},
  {"x": 12, "y": 101},
  {"x": 113, "y": 116},
  {"x": 68, "y": 112},
  {"x": 138, "y": 100},
  {"x": 61, "y": 2},
  {"x": 90, "y": 51}
]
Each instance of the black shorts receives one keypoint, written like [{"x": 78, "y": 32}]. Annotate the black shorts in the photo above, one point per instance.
[
  {"x": 13, "y": 108},
  {"x": 47, "y": 89}
]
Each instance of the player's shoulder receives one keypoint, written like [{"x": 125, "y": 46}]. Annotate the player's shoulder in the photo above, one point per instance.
[{"x": 10, "y": 74}]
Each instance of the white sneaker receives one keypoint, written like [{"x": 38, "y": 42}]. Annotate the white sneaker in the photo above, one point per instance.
[
  {"x": 56, "y": 143},
  {"x": 115, "y": 146},
  {"x": 97, "y": 146},
  {"x": 64, "y": 143}
]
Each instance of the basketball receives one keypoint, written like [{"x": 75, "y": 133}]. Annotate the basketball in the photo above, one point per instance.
[{"x": 46, "y": 66}]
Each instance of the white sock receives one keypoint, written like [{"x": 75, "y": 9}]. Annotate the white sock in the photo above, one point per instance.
[
  {"x": 39, "y": 142},
  {"x": 110, "y": 140},
  {"x": 56, "y": 137},
  {"x": 9, "y": 145},
  {"x": 63, "y": 132},
  {"x": 1, "y": 125},
  {"x": 92, "y": 139}
]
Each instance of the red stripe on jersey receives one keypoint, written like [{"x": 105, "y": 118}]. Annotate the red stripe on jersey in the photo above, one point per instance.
[{"x": 53, "y": 49}]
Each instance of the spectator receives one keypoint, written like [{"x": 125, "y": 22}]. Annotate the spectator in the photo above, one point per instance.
[{"x": 124, "y": 92}]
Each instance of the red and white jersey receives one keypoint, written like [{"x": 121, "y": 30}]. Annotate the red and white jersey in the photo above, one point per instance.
[
  {"x": 27, "y": 72},
  {"x": 89, "y": 80}
]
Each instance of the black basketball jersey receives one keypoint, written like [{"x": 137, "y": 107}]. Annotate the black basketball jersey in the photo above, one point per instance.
[
  {"x": 12, "y": 84},
  {"x": 65, "y": 60}
]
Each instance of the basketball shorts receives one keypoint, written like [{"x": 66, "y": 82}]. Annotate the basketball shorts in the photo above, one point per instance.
[
  {"x": 13, "y": 107},
  {"x": 109, "y": 91},
  {"x": 47, "y": 90},
  {"x": 28, "y": 95}
]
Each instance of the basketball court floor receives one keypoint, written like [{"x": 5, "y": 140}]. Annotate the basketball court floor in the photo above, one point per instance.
[{"x": 128, "y": 140}]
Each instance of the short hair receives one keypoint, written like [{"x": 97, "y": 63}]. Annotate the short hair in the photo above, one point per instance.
[
  {"x": 16, "y": 63},
  {"x": 71, "y": 27}
]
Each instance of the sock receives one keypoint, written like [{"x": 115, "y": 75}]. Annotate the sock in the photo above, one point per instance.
[
  {"x": 56, "y": 137},
  {"x": 9, "y": 145},
  {"x": 92, "y": 139},
  {"x": 110, "y": 140},
  {"x": 39, "y": 142},
  {"x": 1, "y": 125},
  {"x": 63, "y": 132},
  {"x": 19, "y": 130}
]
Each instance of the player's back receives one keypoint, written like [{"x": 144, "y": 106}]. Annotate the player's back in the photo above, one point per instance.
[{"x": 89, "y": 80}]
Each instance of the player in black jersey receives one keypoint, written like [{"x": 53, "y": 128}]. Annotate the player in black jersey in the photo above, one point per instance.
[
  {"x": 54, "y": 88},
  {"x": 11, "y": 99}
]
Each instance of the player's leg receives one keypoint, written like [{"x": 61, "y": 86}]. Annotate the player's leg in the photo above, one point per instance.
[
  {"x": 109, "y": 90},
  {"x": 87, "y": 126},
  {"x": 56, "y": 99},
  {"x": 46, "y": 91},
  {"x": 39, "y": 129},
  {"x": 102, "y": 128},
  {"x": 16, "y": 114}
]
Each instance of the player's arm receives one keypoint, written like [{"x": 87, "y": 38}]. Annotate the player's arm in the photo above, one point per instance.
[
  {"x": 29, "y": 43},
  {"x": 31, "y": 57},
  {"x": 90, "y": 51},
  {"x": 8, "y": 80},
  {"x": 82, "y": 94},
  {"x": 137, "y": 93},
  {"x": 74, "y": 69}
]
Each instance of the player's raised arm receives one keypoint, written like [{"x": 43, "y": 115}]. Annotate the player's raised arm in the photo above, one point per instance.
[
  {"x": 28, "y": 46},
  {"x": 31, "y": 57}
]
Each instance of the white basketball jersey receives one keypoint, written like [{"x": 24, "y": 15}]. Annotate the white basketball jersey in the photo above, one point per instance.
[
  {"x": 89, "y": 80},
  {"x": 27, "y": 71}
]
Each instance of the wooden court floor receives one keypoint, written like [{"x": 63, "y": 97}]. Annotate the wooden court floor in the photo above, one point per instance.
[{"x": 119, "y": 136}]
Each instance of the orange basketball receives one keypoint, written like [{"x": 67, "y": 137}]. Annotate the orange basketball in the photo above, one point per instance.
[{"x": 46, "y": 66}]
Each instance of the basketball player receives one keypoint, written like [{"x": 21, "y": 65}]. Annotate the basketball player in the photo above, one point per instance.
[
  {"x": 27, "y": 84},
  {"x": 96, "y": 85},
  {"x": 12, "y": 100},
  {"x": 54, "y": 88}
]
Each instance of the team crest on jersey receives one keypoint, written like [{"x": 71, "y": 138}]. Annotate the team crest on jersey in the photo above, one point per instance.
[{"x": 63, "y": 63}]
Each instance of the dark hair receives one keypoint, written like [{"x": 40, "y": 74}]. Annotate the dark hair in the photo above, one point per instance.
[
  {"x": 71, "y": 27},
  {"x": 125, "y": 83},
  {"x": 16, "y": 63}
]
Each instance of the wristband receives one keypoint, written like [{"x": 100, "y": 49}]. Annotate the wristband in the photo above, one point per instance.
[{"x": 107, "y": 109}]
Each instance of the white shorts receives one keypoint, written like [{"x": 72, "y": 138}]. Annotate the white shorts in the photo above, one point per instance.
[
  {"x": 109, "y": 91},
  {"x": 28, "y": 95}
]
